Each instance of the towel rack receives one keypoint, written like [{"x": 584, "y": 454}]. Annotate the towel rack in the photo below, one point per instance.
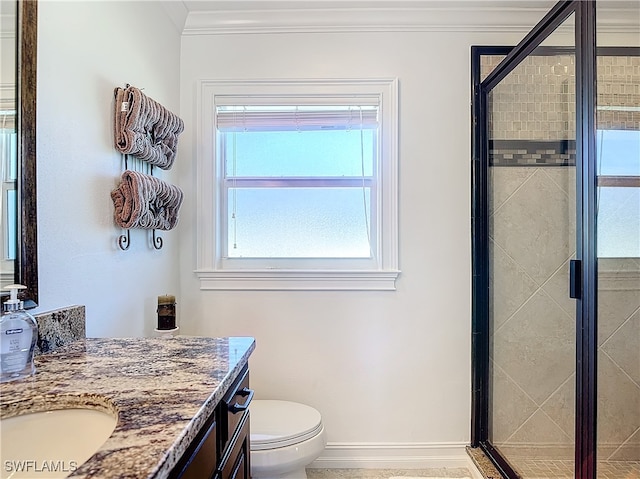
[{"x": 146, "y": 150}]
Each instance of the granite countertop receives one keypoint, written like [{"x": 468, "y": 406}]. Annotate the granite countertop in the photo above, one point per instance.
[{"x": 163, "y": 390}]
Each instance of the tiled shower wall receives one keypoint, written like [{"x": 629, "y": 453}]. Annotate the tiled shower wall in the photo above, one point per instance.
[
  {"x": 537, "y": 100},
  {"x": 532, "y": 229}
]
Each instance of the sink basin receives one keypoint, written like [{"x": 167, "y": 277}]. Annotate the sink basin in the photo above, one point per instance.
[{"x": 51, "y": 444}]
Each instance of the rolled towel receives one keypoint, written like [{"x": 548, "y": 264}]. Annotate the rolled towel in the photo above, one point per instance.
[
  {"x": 145, "y": 129},
  {"x": 143, "y": 201}
]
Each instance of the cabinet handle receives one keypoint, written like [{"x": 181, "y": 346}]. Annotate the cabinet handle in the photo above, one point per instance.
[{"x": 234, "y": 408}]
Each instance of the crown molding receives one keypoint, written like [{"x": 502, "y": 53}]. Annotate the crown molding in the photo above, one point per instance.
[
  {"x": 384, "y": 16},
  {"x": 363, "y": 19}
]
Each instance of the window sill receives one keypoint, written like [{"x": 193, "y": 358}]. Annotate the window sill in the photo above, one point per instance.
[
  {"x": 619, "y": 274},
  {"x": 290, "y": 280}
]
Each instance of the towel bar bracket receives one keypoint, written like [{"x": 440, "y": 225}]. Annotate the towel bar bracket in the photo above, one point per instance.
[
  {"x": 124, "y": 240},
  {"x": 156, "y": 240}
]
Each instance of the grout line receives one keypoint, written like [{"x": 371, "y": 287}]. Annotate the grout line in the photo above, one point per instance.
[
  {"x": 528, "y": 397},
  {"x": 618, "y": 328},
  {"x": 619, "y": 367},
  {"x": 524, "y": 182},
  {"x": 623, "y": 444}
]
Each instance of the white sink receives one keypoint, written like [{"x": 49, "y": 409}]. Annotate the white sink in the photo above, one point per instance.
[{"x": 53, "y": 443}]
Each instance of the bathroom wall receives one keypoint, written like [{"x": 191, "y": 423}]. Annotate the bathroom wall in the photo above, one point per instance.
[
  {"x": 85, "y": 50},
  {"x": 389, "y": 371}
]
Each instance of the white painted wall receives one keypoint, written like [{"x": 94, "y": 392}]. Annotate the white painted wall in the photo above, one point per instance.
[
  {"x": 85, "y": 50},
  {"x": 382, "y": 367}
]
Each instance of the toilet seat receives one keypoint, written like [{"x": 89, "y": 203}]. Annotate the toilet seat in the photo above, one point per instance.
[{"x": 276, "y": 424}]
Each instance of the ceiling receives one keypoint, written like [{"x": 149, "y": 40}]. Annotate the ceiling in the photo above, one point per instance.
[{"x": 221, "y": 5}]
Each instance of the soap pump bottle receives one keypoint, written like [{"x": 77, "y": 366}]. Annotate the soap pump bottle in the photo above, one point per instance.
[{"x": 19, "y": 332}]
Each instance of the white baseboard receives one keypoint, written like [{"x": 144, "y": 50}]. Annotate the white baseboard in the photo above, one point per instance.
[{"x": 395, "y": 455}]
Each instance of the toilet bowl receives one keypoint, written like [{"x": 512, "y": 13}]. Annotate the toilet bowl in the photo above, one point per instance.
[{"x": 285, "y": 438}]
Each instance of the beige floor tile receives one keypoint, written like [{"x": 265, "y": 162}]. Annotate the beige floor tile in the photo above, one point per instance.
[{"x": 459, "y": 472}]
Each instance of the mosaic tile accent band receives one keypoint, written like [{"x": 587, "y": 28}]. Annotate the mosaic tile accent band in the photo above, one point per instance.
[{"x": 532, "y": 153}]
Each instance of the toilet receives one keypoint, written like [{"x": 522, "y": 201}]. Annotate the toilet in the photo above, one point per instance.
[{"x": 285, "y": 438}]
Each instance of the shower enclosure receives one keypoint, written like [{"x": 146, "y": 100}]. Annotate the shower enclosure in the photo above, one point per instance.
[{"x": 556, "y": 239}]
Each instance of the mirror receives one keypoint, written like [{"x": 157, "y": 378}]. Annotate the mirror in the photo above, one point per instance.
[{"x": 18, "y": 242}]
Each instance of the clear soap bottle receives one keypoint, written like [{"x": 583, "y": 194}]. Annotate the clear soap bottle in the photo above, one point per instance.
[{"x": 19, "y": 332}]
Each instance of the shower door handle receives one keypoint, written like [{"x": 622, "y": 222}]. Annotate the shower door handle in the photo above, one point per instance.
[{"x": 575, "y": 279}]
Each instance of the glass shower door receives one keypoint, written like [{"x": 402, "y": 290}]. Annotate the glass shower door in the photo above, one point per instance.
[
  {"x": 618, "y": 236},
  {"x": 532, "y": 238}
]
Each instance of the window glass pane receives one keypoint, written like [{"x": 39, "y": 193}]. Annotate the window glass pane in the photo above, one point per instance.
[
  {"x": 300, "y": 153},
  {"x": 618, "y": 152},
  {"x": 8, "y": 153},
  {"x": 298, "y": 222},
  {"x": 618, "y": 222},
  {"x": 618, "y": 155},
  {"x": 12, "y": 224}
]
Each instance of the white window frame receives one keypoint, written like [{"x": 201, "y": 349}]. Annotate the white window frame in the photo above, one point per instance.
[{"x": 218, "y": 273}]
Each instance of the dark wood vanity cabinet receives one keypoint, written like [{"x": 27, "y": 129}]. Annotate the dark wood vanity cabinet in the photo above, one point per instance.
[{"x": 221, "y": 449}]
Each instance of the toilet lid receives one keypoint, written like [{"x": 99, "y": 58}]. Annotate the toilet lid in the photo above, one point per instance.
[{"x": 281, "y": 423}]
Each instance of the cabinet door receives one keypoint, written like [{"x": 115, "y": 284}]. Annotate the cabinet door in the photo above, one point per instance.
[
  {"x": 237, "y": 464},
  {"x": 201, "y": 459},
  {"x": 235, "y": 403}
]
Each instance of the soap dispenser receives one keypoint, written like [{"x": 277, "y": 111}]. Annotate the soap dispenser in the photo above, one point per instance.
[{"x": 19, "y": 332}]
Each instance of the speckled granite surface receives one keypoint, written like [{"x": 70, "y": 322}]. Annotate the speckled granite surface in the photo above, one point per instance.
[
  {"x": 60, "y": 327},
  {"x": 483, "y": 463},
  {"x": 162, "y": 389}
]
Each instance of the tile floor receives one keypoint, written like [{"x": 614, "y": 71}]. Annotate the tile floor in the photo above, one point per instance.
[
  {"x": 459, "y": 472},
  {"x": 556, "y": 469},
  {"x": 550, "y": 469},
  {"x": 533, "y": 469}
]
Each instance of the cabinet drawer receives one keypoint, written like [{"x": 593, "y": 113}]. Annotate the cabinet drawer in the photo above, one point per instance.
[{"x": 235, "y": 407}]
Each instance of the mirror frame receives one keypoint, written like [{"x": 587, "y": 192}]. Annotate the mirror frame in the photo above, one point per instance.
[{"x": 26, "y": 267}]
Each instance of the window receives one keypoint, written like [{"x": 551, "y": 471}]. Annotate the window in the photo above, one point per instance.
[
  {"x": 9, "y": 194},
  {"x": 298, "y": 185},
  {"x": 618, "y": 156}
]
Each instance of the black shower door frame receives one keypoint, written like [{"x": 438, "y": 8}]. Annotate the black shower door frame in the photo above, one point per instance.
[{"x": 584, "y": 272}]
